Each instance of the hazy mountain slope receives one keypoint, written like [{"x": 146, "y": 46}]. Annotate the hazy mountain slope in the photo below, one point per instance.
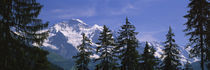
[{"x": 66, "y": 64}]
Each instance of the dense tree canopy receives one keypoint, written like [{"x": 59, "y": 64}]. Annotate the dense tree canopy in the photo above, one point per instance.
[
  {"x": 126, "y": 47},
  {"x": 198, "y": 17},
  {"x": 20, "y": 32},
  {"x": 83, "y": 57},
  {"x": 105, "y": 49}
]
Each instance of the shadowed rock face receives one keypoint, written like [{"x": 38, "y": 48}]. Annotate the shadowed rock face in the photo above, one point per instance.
[{"x": 64, "y": 49}]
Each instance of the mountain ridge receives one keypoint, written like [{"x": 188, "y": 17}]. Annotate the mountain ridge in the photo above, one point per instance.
[{"x": 65, "y": 36}]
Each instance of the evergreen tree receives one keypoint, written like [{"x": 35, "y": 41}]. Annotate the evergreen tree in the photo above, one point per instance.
[
  {"x": 5, "y": 37},
  {"x": 83, "y": 57},
  {"x": 105, "y": 50},
  {"x": 19, "y": 29},
  {"x": 126, "y": 49},
  {"x": 5, "y": 21},
  {"x": 27, "y": 26},
  {"x": 27, "y": 32},
  {"x": 149, "y": 60},
  {"x": 208, "y": 42},
  {"x": 196, "y": 26},
  {"x": 171, "y": 53}
]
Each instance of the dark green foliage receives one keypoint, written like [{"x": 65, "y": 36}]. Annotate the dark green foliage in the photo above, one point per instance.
[
  {"x": 26, "y": 24},
  {"x": 19, "y": 28},
  {"x": 196, "y": 26},
  {"x": 36, "y": 58},
  {"x": 149, "y": 60},
  {"x": 6, "y": 59},
  {"x": 83, "y": 57},
  {"x": 55, "y": 67},
  {"x": 171, "y": 53},
  {"x": 58, "y": 60},
  {"x": 208, "y": 66},
  {"x": 208, "y": 41},
  {"x": 21, "y": 57},
  {"x": 126, "y": 48},
  {"x": 105, "y": 50}
]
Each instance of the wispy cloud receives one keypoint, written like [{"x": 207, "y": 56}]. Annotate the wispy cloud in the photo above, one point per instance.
[
  {"x": 105, "y": 7},
  {"x": 71, "y": 13},
  {"x": 149, "y": 36},
  {"x": 58, "y": 10},
  {"x": 123, "y": 10}
]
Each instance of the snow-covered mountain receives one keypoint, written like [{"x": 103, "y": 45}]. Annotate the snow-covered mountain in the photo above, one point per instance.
[
  {"x": 66, "y": 35},
  {"x": 159, "y": 46}
]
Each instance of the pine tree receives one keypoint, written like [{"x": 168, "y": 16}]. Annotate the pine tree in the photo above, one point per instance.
[
  {"x": 105, "y": 50},
  {"x": 5, "y": 37},
  {"x": 27, "y": 26},
  {"x": 27, "y": 32},
  {"x": 155, "y": 61},
  {"x": 208, "y": 42},
  {"x": 126, "y": 49},
  {"x": 149, "y": 60},
  {"x": 171, "y": 53},
  {"x": 196, "y": 26},
  {"x": 19, "y": 29},
  {"x": 5, "y": 21},
  {"x": 83, "y": 57}
]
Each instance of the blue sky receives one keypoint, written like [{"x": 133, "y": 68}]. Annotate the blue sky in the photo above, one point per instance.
[{"x": 151, "y": 17}]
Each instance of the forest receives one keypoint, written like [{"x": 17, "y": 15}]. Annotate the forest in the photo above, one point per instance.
[{"x": 22, "y": 34}]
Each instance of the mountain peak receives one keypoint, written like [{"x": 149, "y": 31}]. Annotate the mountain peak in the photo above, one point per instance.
[
  {"x": 64, "y": 37},
  {"x": 72, "y": 30},
  {"x": 97, "y": 27},
  {"x": 77, "y": 21},
  {"x": 73, "y": 22}
]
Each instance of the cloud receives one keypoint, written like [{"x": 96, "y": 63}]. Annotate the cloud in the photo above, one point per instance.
[
  {"x": 123, "y": 10},
  {"x": 58, "y": 11},
  {"x": 150, "y": 36},
  {"x": 71, "y": 13},
  {"x": 92, "y": 8},
  {"x": 147, "y": 37}
]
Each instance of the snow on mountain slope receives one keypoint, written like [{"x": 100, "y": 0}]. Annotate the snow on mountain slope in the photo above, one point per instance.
[
  {"x": 184, "y": 53},
  {"x": 72, "y": 29},
  {"x": 65, "y": 36}
]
